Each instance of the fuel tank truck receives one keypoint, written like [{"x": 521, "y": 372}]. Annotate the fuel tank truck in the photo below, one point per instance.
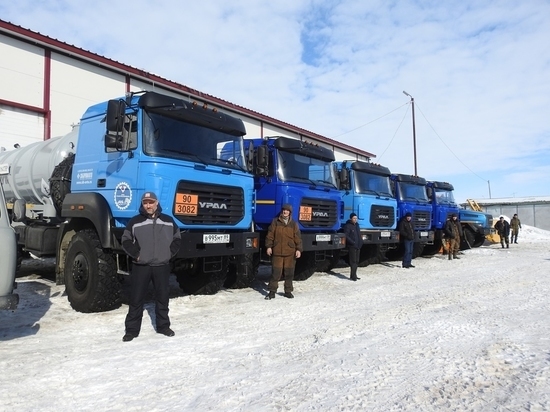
[{"x": 72, "y": 196}]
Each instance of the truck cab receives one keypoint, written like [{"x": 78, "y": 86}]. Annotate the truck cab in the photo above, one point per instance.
[
  {"x": 443, "y": 207},
  {"x": 81, "y": 199},
  {"x": 288, "y": 170},
  {"x": 410, "y": 192},
  {"x": 366, "y": 191}
]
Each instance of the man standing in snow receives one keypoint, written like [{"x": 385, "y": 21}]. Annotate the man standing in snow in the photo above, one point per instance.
[
  {"x": 452, "y": 233},
  {"x": 354, "y": 242},
  {"x": 151, "y": 239},
  {"x": 284, "y": 244},
  {"x": 503, "y": 229},
  {"x": 515, "y": 225},
  {"x": 406, "y": 235}
]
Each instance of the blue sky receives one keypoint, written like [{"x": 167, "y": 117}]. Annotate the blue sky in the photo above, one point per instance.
[{"x": 479, "y": 72}]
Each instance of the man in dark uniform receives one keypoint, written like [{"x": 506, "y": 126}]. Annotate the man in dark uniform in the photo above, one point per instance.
[
  {"x": 151, "y": 239},
  {"x": 406, "y": 235},
  {"x": 354, "y": 242}
]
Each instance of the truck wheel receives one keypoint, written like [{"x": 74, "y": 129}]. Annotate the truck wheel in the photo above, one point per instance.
[
  {"x": 305, "y": 266},
  {"x": 194, "y": 281},
  {"x": 468, "y": 240},
  {"x": 328, "y": 264},
  {"x": 91, "y": 280},
  {"x": 242, "y": 271},
  {"x": 430, "y": 250},
  {"x": 418, "y": 248},
  {"x": 370, "y": 255}
]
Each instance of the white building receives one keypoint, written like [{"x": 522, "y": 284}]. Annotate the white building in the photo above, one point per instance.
[
  {"x": 532, "y": 211},
  {"x": 47, "y": 84}
]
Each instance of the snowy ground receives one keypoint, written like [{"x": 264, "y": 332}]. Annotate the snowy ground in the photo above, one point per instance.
[{"x": 467, "y": 335}]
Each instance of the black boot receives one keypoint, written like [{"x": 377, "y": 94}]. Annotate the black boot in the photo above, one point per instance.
[
  {"x": 270, "y": 295},
  {"x": 455, "y": 256},
  {"x": 450, "y": 257}
]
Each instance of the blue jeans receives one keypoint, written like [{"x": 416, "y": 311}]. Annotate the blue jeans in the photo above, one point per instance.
[{"x": 407, "y": 257}]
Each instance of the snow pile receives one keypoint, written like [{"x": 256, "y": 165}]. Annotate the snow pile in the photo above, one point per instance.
[{"x": 468, "y": 334}]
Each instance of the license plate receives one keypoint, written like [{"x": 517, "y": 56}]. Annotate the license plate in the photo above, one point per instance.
[
  {"x": 385, "y": 234},
  {"x": 423, "y": 234},
  {"x": 215, "y": 238},
  {"x": 322, "y": 238}
]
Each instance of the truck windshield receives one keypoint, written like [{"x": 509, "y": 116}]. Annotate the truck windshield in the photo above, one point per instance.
[
  {"x": 410, "y": 191},
  {"x": 299, "y": 168},
  {"x": 444, "y": 196},
  {"x": 368, "y": 183},
  {"x": 167, "y": 137}
]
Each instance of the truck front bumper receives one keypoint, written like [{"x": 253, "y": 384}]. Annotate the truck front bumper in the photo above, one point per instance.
[{"x": 322, "y": 241}]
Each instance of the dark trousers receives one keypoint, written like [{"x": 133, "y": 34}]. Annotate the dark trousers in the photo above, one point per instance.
[
  {"x": 503, "y": 239},
  {"x": 514, "y": 236},
  {"x": 140, "y": 278},
  {"x": 353, "y": 261},
  {"x": 278, "y": 265},
  {"x": 407, "y": 257}
]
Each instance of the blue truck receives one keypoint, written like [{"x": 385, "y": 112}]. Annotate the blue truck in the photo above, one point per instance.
[
  {"x": 72, "y": 196},
  {"x": 410, "y": 192},
  {"x": 299, "y": 173},
  {"x": 443, "y": 207},
  {"x": 366, "y": 191},
  {"x": 475, "y": 224}
]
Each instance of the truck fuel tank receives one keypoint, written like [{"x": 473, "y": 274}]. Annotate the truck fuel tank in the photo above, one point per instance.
[{"x": 31, "y": 167}]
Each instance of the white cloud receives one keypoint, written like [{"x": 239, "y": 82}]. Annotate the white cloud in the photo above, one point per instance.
[{"x": 478, "y": 72}]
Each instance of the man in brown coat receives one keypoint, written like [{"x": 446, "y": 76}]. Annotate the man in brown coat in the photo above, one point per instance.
[{"x": 284, "y": 245}]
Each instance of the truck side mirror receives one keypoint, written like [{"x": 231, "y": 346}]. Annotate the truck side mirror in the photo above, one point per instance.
[
  {"x": 262, "y": 160},
  {"x": 115, "y": 115},
  {"x": 343, "y": 176},
  {"x": 20, "y": 211}
]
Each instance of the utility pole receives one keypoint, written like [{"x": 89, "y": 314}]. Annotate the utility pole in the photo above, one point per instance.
[{"x": 414, "y": 132}]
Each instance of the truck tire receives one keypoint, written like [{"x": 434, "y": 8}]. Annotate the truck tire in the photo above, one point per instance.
[
  {"x": 305, "y": 266},
  {"x": 242, "y": 271},
  {"x": 194, "y": 281},
  {"x": 418, "y": 248},
  {"x": 330, "y": 263},
  {"x": 91, "y": 280},
  {"x": 370, "y": 255},
  {"x": 468, "y": 240},
  {"x": 60, "y": 182},
  {"x": 430, "y": 250}
]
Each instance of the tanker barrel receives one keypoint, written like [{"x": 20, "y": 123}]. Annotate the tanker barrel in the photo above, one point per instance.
[{"x": 31, "y": 168}]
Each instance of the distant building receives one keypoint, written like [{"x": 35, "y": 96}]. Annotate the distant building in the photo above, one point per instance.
[{"x": 532, "y": 211}]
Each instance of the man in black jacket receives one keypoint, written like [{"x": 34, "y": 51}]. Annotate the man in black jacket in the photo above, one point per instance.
[
  {"x": 503, "y": 229},
  {"x": 354, "y": 242},
  {"x": 151, "y": 239},
  {"x": 452, "y": 233},
  {"x": 406, "y": 235}
]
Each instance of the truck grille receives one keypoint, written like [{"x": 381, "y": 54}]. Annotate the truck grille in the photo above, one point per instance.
[
  {"x": 323, "y": 213},
  {"x": 215, "y": 204},
  {"x": 421, "y": 220},
  {"x": 382, "y": 216}
]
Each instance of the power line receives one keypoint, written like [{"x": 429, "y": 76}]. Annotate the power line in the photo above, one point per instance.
[
  {"x": 447, "y": 146},
  {"x": 372, "y": 121}
]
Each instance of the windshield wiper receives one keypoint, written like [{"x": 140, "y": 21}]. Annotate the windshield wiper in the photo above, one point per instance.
[
  {"x": 305, "y": 179},
  {"x": 230, "y": 162},
  {"x": 185, "y": 153},
  {"x": 327, "y": 182}
]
